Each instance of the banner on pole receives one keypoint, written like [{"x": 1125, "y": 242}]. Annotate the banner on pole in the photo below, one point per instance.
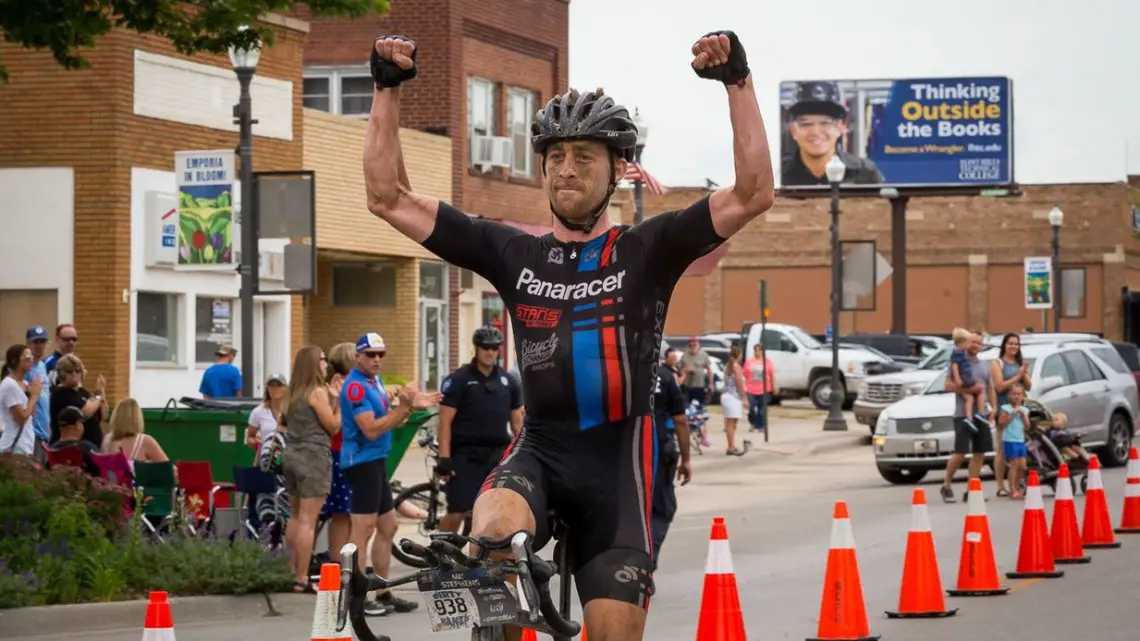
[
  {"x": 207, "y": 238},
  {"x": 1039, "y": 283}
]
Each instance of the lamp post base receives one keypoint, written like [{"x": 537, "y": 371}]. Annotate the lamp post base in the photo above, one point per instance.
[{"x": 835, "y": 424}]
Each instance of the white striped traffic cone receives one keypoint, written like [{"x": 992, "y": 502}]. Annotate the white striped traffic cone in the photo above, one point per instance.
[
  {"x": 324, "y": 614},
  {"x": 721, "y": 618},
  {"x": 1096, "y": 531},
  {"x": 1130, "y": 518},
  {"x": 159, "y": 624}
]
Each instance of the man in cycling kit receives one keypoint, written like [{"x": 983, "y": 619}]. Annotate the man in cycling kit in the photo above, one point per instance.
[
  {"x": 479, "y": 400},
  {"x": 588, "y": 304}
]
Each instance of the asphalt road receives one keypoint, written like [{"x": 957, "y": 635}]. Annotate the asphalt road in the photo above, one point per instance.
[{"x": 778, "y": 512}]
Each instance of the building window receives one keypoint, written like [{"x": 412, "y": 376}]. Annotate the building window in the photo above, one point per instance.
[
  {"x": 346, "y": 92},
  {"x": 156, "y": 328},
  {"x": 1073, "y": 300},
  {"x": 521, "y": 106},
  {"x": 466, "y": 279},
  {"x": 433, "y": 280},
  {"x": 317, "y": 93},
  {"x": 480, "y": 112},
  {"x": 213, "y": 327},
  {"x": 356, "y": 95},
  {"x": 364, "y": 285}
]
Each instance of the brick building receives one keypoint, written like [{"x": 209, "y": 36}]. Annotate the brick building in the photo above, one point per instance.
[
  {"x": 484, "y": 70},
  {"x": 84, "y": 155},
  {"x": 965, "y": 262}
]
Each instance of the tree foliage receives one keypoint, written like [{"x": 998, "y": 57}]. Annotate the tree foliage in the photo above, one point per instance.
[{"x": 66, "y": 27}]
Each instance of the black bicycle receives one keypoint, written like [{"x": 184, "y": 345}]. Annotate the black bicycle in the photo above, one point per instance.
[
  {"x": 427, "y": 495},
  {"x": 464, "y": 592}
]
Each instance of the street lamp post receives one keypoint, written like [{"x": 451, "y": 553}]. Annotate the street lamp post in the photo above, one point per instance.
[
  {"x": 244, "y": 60},
  {"x": 638, "y": 185},
  {"x": 1056, "y": 217},
  {"x": 835, "y": 422}
]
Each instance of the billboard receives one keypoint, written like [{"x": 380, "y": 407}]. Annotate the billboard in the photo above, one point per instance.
[{"x": 923, "y": 132}]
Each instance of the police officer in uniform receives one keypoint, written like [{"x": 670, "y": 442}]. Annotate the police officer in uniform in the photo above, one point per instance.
[
  {"x": 819, "y": 119},
  {"x": 479, "y": 400},
  {"x": 672, "y": 452}
]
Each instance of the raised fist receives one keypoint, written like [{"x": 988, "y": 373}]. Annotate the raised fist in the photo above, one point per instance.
[
  {"x": 720, "y": 56},
  {"x": 393, "y": 60}
]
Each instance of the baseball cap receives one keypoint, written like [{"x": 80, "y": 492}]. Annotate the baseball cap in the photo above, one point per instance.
[
  {"x": 370, "y": 342},
  {"x": 277, "y": 378},
  {"x": 226, "y": 350},
  {"x": 70, "y": 415},
  {"x": 37, "y": 333}
]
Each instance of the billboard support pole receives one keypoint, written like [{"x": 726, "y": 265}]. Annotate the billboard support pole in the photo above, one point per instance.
[{"x": 898, "y": 263}]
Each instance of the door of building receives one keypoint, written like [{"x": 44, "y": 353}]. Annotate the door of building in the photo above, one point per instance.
[{"x": 433, "y": 343}]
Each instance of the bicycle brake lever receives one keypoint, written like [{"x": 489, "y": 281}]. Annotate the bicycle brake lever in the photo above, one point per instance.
[{"x": 419, "y": 551}]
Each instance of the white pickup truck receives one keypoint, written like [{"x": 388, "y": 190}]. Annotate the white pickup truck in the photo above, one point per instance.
[{"x": 803, "y": 364}]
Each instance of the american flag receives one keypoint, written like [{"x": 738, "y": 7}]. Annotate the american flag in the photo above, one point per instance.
[{"x": 637, "y": 172}]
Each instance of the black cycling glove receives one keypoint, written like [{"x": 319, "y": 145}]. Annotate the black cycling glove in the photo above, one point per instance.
[
  {"x": 735, "y": 70},
  {"x": 443, "y": 466},
  {"x": 388, "y": 74}
]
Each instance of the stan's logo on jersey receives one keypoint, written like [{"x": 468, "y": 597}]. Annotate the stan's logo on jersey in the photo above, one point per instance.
[
  {"x": 538, "y": 316},
  {"x": 561, "y": 291}
]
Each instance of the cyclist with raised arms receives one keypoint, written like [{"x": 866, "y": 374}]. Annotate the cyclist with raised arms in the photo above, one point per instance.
[{"x": 588, "y": 304}]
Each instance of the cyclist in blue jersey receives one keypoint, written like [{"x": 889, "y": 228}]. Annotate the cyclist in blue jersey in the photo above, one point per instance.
[
  {"x": 367, "y": 421},
  {"x": 587, "y": 303}
]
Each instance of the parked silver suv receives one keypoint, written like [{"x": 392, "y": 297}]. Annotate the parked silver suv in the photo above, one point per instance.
[{"x": 1085, "y": 379}]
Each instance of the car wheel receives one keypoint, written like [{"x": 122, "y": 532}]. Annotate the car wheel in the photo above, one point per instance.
[
  {"x": 820, "y": 392},
  {"x": 901, "y": 475},
  {"x": 1115, "y": 451}
]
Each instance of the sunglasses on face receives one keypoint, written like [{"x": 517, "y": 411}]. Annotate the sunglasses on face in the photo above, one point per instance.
[
  {"x": 373, "y": 354},
  {"x": 490, "y": 348}
]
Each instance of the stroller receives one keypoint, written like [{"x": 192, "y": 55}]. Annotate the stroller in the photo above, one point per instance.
[{"x": 1044, "y": 440}]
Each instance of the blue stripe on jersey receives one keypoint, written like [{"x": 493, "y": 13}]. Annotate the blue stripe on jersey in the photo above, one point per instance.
[
  {"x": 580, "y": 308},
  {"x": 592, "y": 254},
  {"x": 587, "y": 348},
  {"x": 585, "y": 323}
]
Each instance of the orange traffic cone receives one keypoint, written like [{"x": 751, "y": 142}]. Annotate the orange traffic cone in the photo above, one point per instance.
[
  {"x": 583, "y": 637},
  {"x": 1035, "y": 553},
  {"x": 529, "y": 635},
  {"x": 324, "y": 614},
  {"x": 921, "y": 593},
  {"x": 1096, "y": 532},
  {"x": 721, "y": 618},
  {"x": 1130, "y": 519},
  {"x": 159, "y": 624},
  {"x": 977, "y": 569},
  {"x": 1065, "y": 533},
  {"x": 842, "y": 614}
]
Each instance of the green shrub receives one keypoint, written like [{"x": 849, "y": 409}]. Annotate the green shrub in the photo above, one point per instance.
[{"x": 64, "y": 538}]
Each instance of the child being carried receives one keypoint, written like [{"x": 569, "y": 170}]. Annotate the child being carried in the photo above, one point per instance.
[{"x": 961, "y": 371}]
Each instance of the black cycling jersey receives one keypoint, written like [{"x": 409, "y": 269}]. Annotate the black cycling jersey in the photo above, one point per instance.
[{"x": 587, "y": 317}]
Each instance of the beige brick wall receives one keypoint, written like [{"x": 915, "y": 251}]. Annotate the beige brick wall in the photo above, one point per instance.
[
  {"x": 399, "y": 325},
  {"x": 334, "y": 148}
]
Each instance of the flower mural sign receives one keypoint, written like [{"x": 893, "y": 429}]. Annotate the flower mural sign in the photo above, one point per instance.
[{"x": 206, "y": 234}]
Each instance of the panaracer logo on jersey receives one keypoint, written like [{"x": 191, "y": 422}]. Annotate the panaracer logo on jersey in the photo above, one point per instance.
[{"x": 562, "y": 291}]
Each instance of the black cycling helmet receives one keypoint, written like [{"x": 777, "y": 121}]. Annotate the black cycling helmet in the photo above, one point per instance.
[
  {"x": 487, "y": 337},
  {"x": 585, "y": 116}
]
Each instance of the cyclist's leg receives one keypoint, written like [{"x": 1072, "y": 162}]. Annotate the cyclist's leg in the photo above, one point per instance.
[
  {"x": 613, "y": 546},
  {"x": 513, "y": 498}
]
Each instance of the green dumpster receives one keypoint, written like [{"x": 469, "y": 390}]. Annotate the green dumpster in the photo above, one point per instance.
[{"x": 191, "y": 429}]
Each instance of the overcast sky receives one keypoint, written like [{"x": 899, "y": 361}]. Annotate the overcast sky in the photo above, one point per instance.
[{"x": 1075, "y": 68}]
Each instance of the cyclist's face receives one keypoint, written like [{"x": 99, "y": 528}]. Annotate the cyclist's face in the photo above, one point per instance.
[
  {"x": 370, "y": 361},
  {"x": 578, "y": 175}
]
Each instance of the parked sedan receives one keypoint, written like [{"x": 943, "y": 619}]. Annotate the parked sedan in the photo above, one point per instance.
[{"x": 916, "y": 435}]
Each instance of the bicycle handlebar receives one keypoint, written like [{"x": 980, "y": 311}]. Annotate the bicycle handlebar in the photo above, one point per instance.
[{"x": 445, "y": 552}]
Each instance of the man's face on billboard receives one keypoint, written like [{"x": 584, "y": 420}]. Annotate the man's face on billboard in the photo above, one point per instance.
[{"x": 816, "y": 134}]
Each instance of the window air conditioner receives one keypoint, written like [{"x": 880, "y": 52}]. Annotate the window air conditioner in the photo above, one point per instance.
[{"x": 491, "y": 151}]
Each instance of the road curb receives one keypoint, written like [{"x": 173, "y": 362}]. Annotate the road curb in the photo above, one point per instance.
[
  {"x": 52, "y": 620},
  {"x": 837, "y": 443}
]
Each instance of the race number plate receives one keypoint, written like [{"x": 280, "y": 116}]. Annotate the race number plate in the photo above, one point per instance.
[
  {"x": 926, "y": 446},
  {"x": 464, "y": 608},
  {"x": 462, "y": 599}
]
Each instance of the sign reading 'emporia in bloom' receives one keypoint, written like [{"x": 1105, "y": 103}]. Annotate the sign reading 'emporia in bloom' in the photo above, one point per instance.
[{"x": 206, "y": 232}]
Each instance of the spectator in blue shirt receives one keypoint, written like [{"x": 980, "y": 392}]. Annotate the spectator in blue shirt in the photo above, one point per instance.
[
  {"x": 223, "y": 378},
  {"x": 37, "y": 338},
  {"x": 66, "y": 339}
]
